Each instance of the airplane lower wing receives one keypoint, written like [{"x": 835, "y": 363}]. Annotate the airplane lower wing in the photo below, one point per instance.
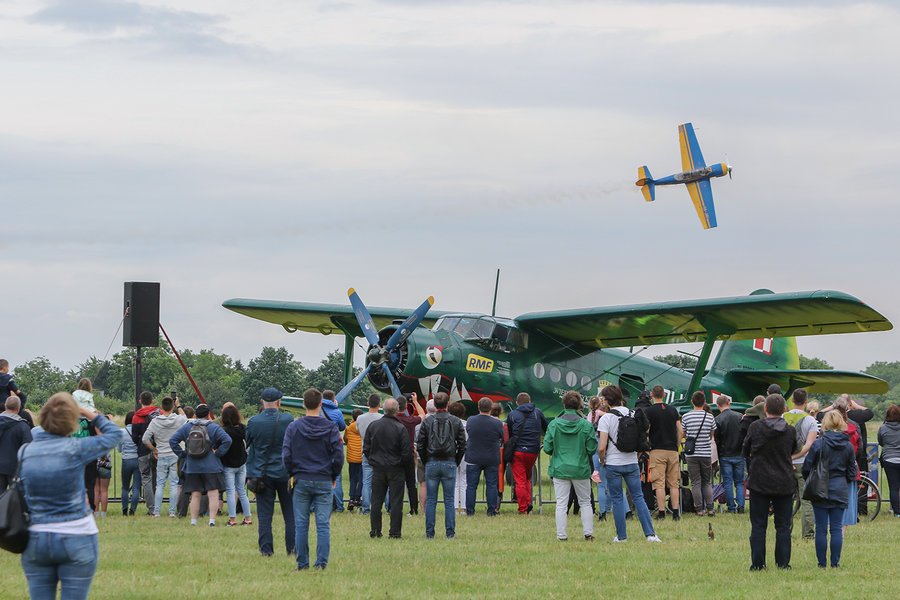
[
  {"x": 319, "y": 318},
  {"x": 691, "y": 157},
  {"x": 816, "y": 381},
  {"x": 761, "y": 315},
  {"x": 701, "y": 194}
]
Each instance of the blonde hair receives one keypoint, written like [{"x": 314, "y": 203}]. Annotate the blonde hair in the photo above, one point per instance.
[
  {"x": 833, "y": 421},
  {"x": 813, "y": 407},
  {"x": 59, "y": 415}
]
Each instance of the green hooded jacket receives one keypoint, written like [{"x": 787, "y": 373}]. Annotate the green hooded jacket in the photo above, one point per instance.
[{"x": 571, "y": 442}]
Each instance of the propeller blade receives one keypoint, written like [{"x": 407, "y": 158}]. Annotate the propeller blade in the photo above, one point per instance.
[
  {"x": 348, "y": 389},
  {"x": 395, "y": 389},
  {"x": 409, "y": 325},
  {"x": 363, "y": 317}
]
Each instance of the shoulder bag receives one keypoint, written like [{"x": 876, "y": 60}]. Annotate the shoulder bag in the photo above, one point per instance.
[{"x": 14, "y": 516}]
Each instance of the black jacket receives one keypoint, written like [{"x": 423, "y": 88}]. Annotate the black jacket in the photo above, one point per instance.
[
  {"x": 728, "y": 434},
  {"x": 386, "y": 445},
  {"x": 768, "y": 447},
  {"x": 441, "y": 437},
  {"x": 237, "y": 452},
  {"x": 527, "y": 424},
  {"x": 14, "y": 432}
]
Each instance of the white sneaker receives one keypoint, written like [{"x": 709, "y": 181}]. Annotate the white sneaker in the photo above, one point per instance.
[
  {"x": 654, "y": 538},
  {"x": 616, "y": 540}
]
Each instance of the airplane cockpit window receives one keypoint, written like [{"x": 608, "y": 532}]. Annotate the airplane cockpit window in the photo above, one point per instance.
[
  {"x": 446, "y": 323},
  {"x": 464, "y": 326},
  {"x": 482, "y": 329}
]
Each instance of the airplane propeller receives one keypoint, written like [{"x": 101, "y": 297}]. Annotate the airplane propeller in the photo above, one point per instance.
[{"x": 379, "y": 355}]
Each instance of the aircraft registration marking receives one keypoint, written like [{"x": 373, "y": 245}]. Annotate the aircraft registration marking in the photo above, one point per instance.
[{"x": 479, "y": 364}]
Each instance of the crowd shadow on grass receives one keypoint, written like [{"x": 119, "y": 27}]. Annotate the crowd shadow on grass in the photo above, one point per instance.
[{"x": 508, "y": 556}]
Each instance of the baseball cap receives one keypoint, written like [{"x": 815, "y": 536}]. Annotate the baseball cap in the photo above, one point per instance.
[{"x": 271, "y": 394}]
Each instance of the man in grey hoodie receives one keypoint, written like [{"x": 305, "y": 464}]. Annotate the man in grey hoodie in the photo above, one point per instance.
[{"x": 157, "y": 436}]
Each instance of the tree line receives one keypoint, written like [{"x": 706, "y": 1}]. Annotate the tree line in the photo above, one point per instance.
[
  {"x": 889, "y": 371},
  {"x": 220, "y": 378}
]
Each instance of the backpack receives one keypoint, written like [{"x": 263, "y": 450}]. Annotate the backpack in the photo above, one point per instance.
[
  {"x": 442, "y": 439},
  {"x": 198, "y": 444},
  {"x": 631, "y": 436},
  {"x": 794, "y": 420}
]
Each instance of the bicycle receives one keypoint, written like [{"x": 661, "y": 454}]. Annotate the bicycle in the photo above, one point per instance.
[{"x": 869, "y": 496}]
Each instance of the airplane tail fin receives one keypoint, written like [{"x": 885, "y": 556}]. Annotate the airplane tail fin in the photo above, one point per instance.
[{"x": 645, "y": 181}]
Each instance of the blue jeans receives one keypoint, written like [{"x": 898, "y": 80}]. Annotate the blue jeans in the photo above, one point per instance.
[
  {"x": 355, "y": 481},
  {"x": 491, "y": 478},
  {"x": 265, "y": 510},
  {"x": 829, "y": 520},
  {"x": 315, "y": 496},
  {"x": 53, "y": 558},
  {"x": 602, "y": 487},
  {"x": 339, "y": 494},
  {"x": 166, "y": 468},
  {"x": 236, "y": 488},
  {"x": 732, "y": 470},
  {"x": 443, "y": 473},
  {"x": 632, "y": 477},
  {"x": 131, "y": 484},
  {"x": 366, "y": 486}
]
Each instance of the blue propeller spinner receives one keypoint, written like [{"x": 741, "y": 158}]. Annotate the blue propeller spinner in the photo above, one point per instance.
[{"x": 378, "y": 354}]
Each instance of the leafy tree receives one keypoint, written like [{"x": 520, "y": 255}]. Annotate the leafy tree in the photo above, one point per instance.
[
  {"x": 811, "y": 362},
  {"x": 679, "y": 361},
  {"x": 39, "y": 379},
  {"x": 890, "y": 372},
  {"x": 273, "y": 367},
  {"x": 329, "y": 375}
]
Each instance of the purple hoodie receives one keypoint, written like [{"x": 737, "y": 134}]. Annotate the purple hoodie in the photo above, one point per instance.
[{"x": 312, "y": 449}]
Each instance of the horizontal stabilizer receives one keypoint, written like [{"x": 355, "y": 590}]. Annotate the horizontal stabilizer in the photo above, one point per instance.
[{"x": 819, "y": 381}]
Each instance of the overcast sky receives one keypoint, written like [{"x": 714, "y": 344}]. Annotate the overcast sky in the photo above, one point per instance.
[{"x": 290, "y": 150}]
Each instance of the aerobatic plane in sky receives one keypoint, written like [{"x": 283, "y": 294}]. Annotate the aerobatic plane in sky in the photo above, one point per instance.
[{"x": 695, "y": 177}]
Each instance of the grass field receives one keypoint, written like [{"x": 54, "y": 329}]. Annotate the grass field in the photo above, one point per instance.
[{"x": 504, "y": 557}]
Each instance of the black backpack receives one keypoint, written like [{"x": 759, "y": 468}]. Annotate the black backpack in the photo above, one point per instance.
[
  {"x": 198, "y": 444},
  {"x": 631, "y": 435},
  {"x": 442, "y": 439}
]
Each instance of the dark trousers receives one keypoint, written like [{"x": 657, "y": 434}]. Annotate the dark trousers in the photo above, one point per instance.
[
  {"x": 384, "y": 481},
  {"x": 265, "y": 509},
  {"x": 892, "y": 470},
  {"x": 473, "y": 475},
  {"x": 4, "y": 482},
  {"x": 412, "y": 491},
  {"x": 782, "y": 505},
  {"x": 355, "y": 481}
]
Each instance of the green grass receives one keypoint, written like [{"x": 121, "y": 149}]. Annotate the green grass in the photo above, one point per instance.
[{"x": 509, "y": 556}]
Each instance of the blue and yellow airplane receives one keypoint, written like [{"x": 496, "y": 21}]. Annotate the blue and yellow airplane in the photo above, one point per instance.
[{"x": 696, "y": 177}]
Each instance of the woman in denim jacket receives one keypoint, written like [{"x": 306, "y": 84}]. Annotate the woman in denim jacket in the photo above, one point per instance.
[{"x": 62, "y": 545}]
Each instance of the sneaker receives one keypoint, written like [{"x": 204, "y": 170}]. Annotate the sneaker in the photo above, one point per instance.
[
  {"x": 710, "y": 513},
  {"x": 661, "y": 515},
  {"x": 172, "y": 515},
  {"x": 231, "y": 523},
  {"x": 559, "y": 539},
  {"x": 740, "y": 510},
  {"x": 602, "y": 517},
  {"x": 529, "y": 509},
  {"x": 654, "y": 538},
  {"x": 212, "y": 523},
  {"x": 247, "y": 521},
  {"x": 588, "y": 537},
  {"x": 759, "y": 568},
  {"x": 319, "y": 567},
  {"x": 616, "y": 540},
  {"x": 676, "y": 516}
]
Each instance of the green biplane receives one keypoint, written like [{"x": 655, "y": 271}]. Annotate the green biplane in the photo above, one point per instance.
[{"x": 472, "y": 356}]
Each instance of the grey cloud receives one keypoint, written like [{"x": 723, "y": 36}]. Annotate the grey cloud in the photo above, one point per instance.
[{"x": 164, "y": 30}]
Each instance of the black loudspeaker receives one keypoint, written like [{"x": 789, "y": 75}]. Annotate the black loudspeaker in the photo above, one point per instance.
[{"x": 141, "y": 325}]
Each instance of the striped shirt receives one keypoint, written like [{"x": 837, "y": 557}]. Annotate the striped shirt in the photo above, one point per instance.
[{"x": 695, "y": 426}]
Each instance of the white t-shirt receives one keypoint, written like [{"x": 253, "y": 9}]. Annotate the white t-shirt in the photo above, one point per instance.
[
  {"x": 609, "y": 423},
  {"x": 83, "y": 526}
]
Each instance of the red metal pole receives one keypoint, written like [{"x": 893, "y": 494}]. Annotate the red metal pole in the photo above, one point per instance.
[{"x": 183, "y": 366}]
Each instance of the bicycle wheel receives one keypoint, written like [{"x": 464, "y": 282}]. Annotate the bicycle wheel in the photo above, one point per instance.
[{"x": 869, "y": 497}]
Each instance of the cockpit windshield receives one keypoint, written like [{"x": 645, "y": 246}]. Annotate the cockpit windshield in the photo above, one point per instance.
[{"x": 495, "y": 334}]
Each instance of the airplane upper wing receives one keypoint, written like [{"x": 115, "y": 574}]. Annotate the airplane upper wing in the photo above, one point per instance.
[
  {"x": 701, "y": 194},
  {"x": 691, "y": 157},
  {"x": 738, "y": 318},
  {"x": 816, "y": 381},
  {"x": 319, "y": 318}
]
